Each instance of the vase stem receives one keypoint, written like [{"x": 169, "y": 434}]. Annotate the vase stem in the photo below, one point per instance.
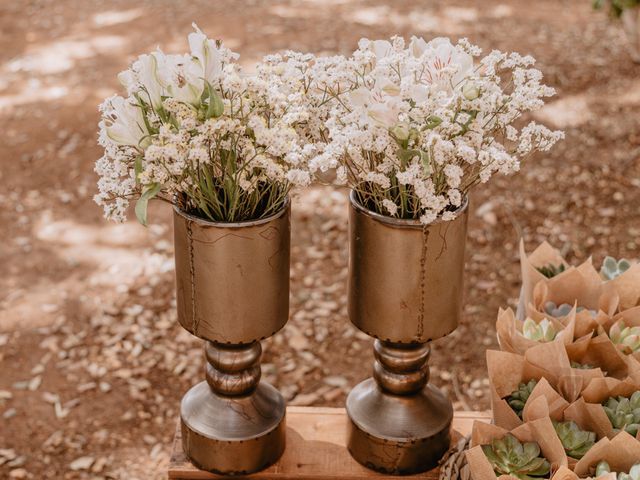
[
  {"x": 401, "y": 369},
  {"x": 233, "y": 370}
]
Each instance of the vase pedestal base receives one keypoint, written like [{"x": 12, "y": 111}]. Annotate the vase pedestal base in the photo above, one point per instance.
[
  {"x": 233, "y": 435},
  {"x": 398, "y": 434}
]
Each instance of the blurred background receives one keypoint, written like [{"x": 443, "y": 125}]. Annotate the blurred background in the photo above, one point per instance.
[{"x": 92, "y": 361}]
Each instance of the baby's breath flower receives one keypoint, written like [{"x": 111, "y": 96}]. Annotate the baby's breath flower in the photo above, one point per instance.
[
  {"x": 417, "y": 126},
  {"x": 197, "y": 132}
]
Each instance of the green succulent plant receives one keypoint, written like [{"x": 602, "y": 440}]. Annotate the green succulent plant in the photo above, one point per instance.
[
  {"x": 519, "y": 397},
  {"x": 612, "y": 268},
  {"x": 539, "y": 332},
  {"x": 624, "y": 413},
  {"x": 581, "y": 366},
  {"x": 627, "y": 339},
  {"x": 510, "y": 457},
  {"x": 603, "y": 468},
  {"x": 564, "y": 309},
  {"x": 551, "y": 270},
  {"x": 576, "y": 442},
  {"x": 634, "y": 473}
]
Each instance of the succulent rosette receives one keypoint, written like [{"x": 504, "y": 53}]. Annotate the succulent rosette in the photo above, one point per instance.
[
  {"x": 576, "y": 442},
  {"x": 624, "y": 413},
  {"x": 518, "y": 398},
  {"x": 625, "y": 337},
  {"x": 603, "y": 468},
  {"x": 612, "y": 268},
  {"x": 509, "y": 456},
  {"x": 518, "y": 336}
]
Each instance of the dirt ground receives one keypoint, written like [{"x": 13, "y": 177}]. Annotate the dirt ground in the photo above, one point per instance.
[{"x": 93, "y": 363}]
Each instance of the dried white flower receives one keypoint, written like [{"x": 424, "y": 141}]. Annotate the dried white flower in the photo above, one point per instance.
[
  {"x": 418, "y": 126},
  {"x": 197, "y": 132}
]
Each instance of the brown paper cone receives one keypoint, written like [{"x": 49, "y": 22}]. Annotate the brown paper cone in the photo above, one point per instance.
[
  {"x": 627, "y": 286},
  {"x": 575, "y": 289},
  {"x": 564, "y": 473},
  {"x": 553, "y": 360},
  {"x": 582, "y": 284},
  {"x": 589, "y": 416},
  {"x": 554, "y": 407},
  {"x": 599, "y": 390},
  {"x": 621, "y": 453},
  {"x": 542, "y": 256},
  {"x": 590, "y": 405},
  {"x": 601, "y": 353},
  {"x": 511, "y": 338},
  {"x": 587, "y": 411},
  {"x": 540, "y": 431},
  {"x": 506, "y": 372}
]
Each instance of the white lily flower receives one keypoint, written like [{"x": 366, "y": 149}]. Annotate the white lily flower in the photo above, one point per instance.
[
  {"x": 418, "y": 46},
  {"x": 382, "y": 48},
  {"x": 128, "y": 80},
  {"x": 447, "y": 65},
  {"x": 122, "y": 121},
  {"x": 380, "y": 107},
  {"x": 144, "y": 78},
  {"x": 207, "y": 54},
  {"x": 186, "y": 83}
]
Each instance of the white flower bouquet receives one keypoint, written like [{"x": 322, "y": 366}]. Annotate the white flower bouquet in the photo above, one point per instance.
[
  {"x": 197, "y": 133},
  {"x": 412, "y": 128}
]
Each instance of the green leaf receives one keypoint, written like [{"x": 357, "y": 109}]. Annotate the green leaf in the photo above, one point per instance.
[
  {"x": 148, "y": 192},
  {"x": 406, "y": 155},
  {"x": 433, "y": 122},
  {"x": 426, "y": 162},
  {"x": 216, "y": 105},
  {"x": 137, "y": 168}
]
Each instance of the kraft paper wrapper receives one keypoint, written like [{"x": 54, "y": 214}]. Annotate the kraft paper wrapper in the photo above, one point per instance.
[
  {"x": 589, "y": 416},
  {"x": 577, "y": 290},
  {"x": 620, "y": 452},
  {"x": 540, "y": 431},
  {"x": 541, "y": 405},
  {"x": 565, "y": 473},
  {"x": 587, "y": 411},
  {"x": 552, "y": 358},
  {"x": 506, "y": 371},
  {"x": 511, "y": 339},
  {"x": 627, "y": 286},
  {"x": 601, "y": 389},
  {"x": 601, "y": 353},
  {"x": 542, "y": 256}
]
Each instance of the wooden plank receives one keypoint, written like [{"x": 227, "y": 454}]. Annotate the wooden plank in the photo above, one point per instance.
[{"x": 316, "y": 439}]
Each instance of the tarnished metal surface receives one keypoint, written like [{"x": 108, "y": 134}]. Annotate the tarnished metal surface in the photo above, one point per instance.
[
  {"x": 232, "y": 279},
  {"x": 405, "y": 279},
  {"x": 405, "y": 289},
  {"x": 233, "y": 290},
  {"x": 398, "y": 434},
  {"x": 233, "y": 435}
]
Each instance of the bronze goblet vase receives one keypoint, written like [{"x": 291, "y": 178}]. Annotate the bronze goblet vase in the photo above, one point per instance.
[
  {"x": 405, "y": 289},
  {"x": 232, "y": 291}
]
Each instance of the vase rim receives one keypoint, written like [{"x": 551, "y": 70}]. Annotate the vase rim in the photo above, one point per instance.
[
  {"x": 241, "y": 224},
  {"x": 403, "y": 222}
]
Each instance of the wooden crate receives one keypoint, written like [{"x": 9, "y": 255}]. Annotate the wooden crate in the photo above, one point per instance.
[{"x": 316, "y": 439}]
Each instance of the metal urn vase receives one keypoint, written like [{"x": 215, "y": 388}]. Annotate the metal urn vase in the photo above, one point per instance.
[
  {"x": 405, "y": 289},
  {"x": 233, "y": 291}
]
